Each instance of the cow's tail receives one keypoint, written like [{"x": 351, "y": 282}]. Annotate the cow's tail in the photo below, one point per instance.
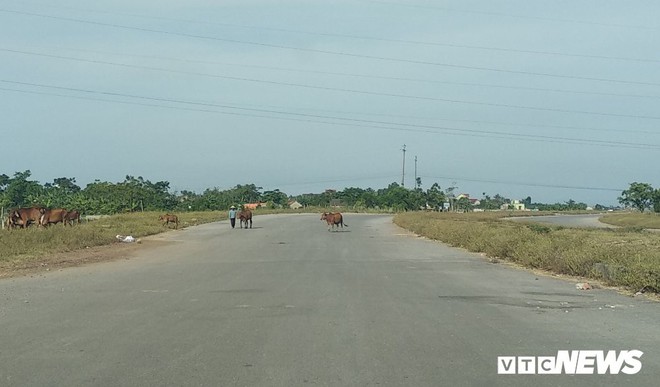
[{"x": 342, "y": 222}]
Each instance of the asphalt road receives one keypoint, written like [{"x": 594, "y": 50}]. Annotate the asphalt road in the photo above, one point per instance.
[{"x": 290, "y": 304}]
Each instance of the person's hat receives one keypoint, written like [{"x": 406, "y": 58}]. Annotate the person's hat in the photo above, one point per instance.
[{"x": 233, "y": 207}]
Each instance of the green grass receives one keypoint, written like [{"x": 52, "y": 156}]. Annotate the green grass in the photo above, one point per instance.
[{"x": 620, "y": 257}]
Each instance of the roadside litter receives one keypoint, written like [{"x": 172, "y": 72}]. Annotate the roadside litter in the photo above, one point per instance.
[
  {"x": 127, "y": 239},
  {"x": 583, "y": 286}
]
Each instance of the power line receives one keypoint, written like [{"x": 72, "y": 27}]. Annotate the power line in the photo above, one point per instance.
[
  {"x": 490, "y": 13},
  {"x": 358, "y": 37},
  {"x": 526, "y": 184},
  {"x": 329, "y": 52},
  {"x": 366, "y": 76},
  {"x": 364, "y": 92},
  {"x": 346, "y": 121}
]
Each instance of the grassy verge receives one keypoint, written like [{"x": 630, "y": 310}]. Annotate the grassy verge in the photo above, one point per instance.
[
  {"x": 33, "y": 242},
  {"x": 628, "y": 258},
  {"x": 23, "y": 246},
  {"x": 633, "y": 219}
]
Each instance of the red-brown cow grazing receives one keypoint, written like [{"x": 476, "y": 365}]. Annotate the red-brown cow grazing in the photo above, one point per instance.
[
  {"x": 167, "y": 219},
  {"x": 333, "y": 219},
  {"x": 12, "y": 222},
  {"x": 53, "y": 216},
  {"x": 71, "y": 217},
  {"x": 245, "y": 216},
  {"x": 23, "y": 217}
]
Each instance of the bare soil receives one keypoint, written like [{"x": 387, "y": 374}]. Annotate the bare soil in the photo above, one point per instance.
[{"x": 59, "y": 261}]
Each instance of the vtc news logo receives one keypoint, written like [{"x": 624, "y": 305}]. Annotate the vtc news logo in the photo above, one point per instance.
[{"x": 582, "y": 362}]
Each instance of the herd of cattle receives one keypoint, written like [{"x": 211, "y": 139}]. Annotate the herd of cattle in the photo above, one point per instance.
[
  {"x": 41, "y": 216},
  {"x": 334, "y": 219}
]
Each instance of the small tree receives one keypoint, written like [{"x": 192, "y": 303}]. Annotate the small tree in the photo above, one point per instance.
[{"x": 639, "y": 195}]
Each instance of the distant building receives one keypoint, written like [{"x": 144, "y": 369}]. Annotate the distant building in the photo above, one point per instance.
[
  {"x": 474, "y": 202},
  {"x": 295, "y": 205},
  {"x": 516, "y": 205}
]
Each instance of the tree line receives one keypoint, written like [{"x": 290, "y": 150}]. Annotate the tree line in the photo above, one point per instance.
[{"x": 139, "y": 194}]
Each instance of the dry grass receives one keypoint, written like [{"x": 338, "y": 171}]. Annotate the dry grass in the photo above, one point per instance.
[
  {"x": 633, "y": 219},
  {"x": 618, "y": 257},
  {"x": 24, "y": 247},
  {"x": 32, "y": 243}
]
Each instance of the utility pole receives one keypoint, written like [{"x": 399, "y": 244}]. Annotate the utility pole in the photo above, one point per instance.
[
  {"x": 416, "y": 185},
  {"x": 403, "y": 173}
]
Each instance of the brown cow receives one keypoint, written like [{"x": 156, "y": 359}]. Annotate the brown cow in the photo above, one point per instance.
[
  {"x": 245, "y": 216},
  {"x": 168, "y": 218},
  {"x": 333, "y": 219},
  {"x": 71, "y": 217},
  {"x": 53, "y": 216},
  {"x": 24, "y": 217},
  {"x": 13, "y": 222}
]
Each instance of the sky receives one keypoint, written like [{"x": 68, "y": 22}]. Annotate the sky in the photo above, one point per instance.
[{"x": 556, "y": 100}]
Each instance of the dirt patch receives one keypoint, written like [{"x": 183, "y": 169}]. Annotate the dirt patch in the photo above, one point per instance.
[{"x": 86, "y": 256}]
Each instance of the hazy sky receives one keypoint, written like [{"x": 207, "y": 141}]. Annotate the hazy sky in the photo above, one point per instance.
[{"x": 556, "y": 100}]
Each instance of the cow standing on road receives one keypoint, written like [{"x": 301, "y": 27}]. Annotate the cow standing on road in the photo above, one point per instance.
[
  {"x": 333, "y": 219},
  {"x": 244, "y": 216}
]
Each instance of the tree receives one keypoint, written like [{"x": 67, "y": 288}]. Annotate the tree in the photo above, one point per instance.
[
  {"x": 639, "y": 195},
  {"x": 494, "y": 203},
  {"x": 248, "y": 193},
  {"x": 449, "y": 194},
  {"x": 396, "y": 197},
  {"x": 349, "y": 196},
  {"x": 463, "y": 204},
  {"x": 435, "y": 198},
  {"x": 276, "y": 198},
  {"x": 656, "y": 200},
  {"x": 20, "y": 191}
]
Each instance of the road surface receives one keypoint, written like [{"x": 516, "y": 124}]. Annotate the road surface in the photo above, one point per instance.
[{"x": 290, "y": 304}]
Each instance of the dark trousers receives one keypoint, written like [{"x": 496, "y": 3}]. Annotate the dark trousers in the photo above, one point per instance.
[{"x": 233, "y": 222}]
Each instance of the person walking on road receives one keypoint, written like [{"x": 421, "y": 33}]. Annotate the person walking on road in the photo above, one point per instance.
[{"x": 232, "y": 216}]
